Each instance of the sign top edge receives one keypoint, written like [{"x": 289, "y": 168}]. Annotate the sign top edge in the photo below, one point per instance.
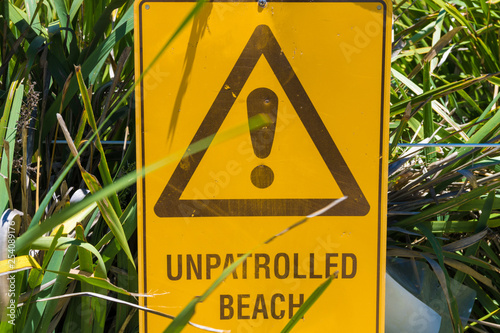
[{"x": 384, "y": 2}]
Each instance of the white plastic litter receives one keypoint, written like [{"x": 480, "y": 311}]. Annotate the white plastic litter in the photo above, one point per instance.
[{"x": 404, "y": 313}]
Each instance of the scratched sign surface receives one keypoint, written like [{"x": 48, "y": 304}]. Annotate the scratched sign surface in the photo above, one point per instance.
[{"x": 318, "y": 73}]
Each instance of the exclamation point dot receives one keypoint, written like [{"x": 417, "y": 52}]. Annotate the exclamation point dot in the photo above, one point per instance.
[
  {"x": 262, "y": 101},
  {"x": 262, "y": 176}
]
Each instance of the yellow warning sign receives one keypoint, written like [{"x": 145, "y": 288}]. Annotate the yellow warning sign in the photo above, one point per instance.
[{"x": 319, "y": 72}]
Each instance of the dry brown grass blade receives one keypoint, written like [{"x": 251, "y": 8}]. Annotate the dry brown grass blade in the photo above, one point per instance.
[
  {"x": 46, "y": 86},
  {"x": 469, "y": 271},
  {"x": 65, "y": 89},
  {"x": 6, "y": 178},
  {"x": 127, "y": 320},
  {"x": 121, "y": 62},
  {"x": 435, "y": 50},
  {"x": 17, "y": 43},
  {"x": 61, "y": 307},
  {"x": 442, "y": 278},
  {"x": 69, "y": 140},
  {"x": 26, "y": 195},
  {"x": 465, "y": 242},
  {"x": 450, "y": 262},
  {"x": 485, "y": 323},
  {"x": 24, "y": 297}
]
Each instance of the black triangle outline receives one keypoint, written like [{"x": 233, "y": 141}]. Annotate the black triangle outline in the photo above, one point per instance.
[{"x": 262, "y": 42}]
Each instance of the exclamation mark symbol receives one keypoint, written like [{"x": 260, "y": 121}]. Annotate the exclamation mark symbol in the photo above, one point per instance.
[{"x": 263, "y": 101}]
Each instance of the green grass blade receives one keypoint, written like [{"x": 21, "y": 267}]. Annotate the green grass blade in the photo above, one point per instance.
[
  {"x": 399, "y": 131},
  {"x": 108, "y": 214},
  {"x": 481, "y": 227},
  {"x": 103, "y": 164},
  {"x": 94, "y": 281},
  {"x": 483, "y": 115},
  {"x": 445, "y": 207},
  {"x": 399, "y": 107},
  {"x": 453, "y": 256},
  {"x": 129, "y": 222},
  {"x": 46, "y": 261},
  {"x": 48, "y": 255},
  {"x": 84, "y": 257},
  {"x": 9, "y": 127},
  {"x": 75, "y": 6},
  {"x": 62, "y": 243},
  {"x": 93, "y": 316},
  {"x": 443, "y": 277},
  {"x": 85, "y": 262},
  {"x": 482, "y": 319},
  {"x": 62, "y": 13},
  {"x": 44, "y": 317},
  {"x": 6, "y": 111},
  {"x": 308, "y": 304}
]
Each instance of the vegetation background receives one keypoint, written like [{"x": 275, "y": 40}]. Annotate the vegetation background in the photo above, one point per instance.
[{"x": 73, "y": 58}]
